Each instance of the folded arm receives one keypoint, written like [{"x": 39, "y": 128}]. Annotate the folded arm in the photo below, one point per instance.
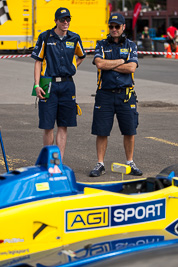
[
  {"x": 116, "y": 65},
  {"x": 107, "y": 64},
  {"x": 126, "y": 68}
]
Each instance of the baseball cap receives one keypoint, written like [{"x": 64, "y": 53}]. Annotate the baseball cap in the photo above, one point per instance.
[
  {"x": 117, "y": 18},
  {"x": 62, "y": 12}
]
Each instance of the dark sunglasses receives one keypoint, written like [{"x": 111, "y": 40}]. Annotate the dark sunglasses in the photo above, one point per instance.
[
  {"x": 68, "y": 19},
  {"x": 117, "y": 27}
]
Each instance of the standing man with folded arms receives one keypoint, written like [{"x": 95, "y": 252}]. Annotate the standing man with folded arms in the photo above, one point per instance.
[
  {"x": 55, "y": 58},
  {"x": 116, "y": 60}
]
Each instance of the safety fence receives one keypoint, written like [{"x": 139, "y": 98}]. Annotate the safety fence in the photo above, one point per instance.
[
  {"x": 157, "y": 53},
  {"x": 166, "y": 54}
]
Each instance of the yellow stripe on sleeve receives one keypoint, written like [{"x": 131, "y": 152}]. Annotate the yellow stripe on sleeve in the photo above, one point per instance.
[
  {"x": 74, "y": 62},
  {"x": 44, "y": 66},
  {"x": 78, "y": 50},
  {"x": 41, "y": 53}
]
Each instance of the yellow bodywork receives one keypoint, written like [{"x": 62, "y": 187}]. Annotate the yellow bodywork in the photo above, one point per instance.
[
  {"x": 28, "y": 18},
  {"x": 46, "y": 224}
]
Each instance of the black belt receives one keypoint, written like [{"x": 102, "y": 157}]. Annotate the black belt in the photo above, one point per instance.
[
  {"x": 118, "y": 90},
  {"x": 62, "y": 79}
]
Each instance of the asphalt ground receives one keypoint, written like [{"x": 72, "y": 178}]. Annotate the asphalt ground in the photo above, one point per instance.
[{"x": 156, "y": 144}]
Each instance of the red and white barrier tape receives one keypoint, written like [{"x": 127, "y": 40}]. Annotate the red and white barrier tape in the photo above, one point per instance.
[
  {"x": 29, "y": 55},
  {"x": 14, "y": 56},
  {"x": 88, "y": 51},
  {"x": 157, "y": 53},
  {"x": 91, "y": 50}
]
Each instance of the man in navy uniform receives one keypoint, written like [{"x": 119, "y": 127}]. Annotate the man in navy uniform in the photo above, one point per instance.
[
  {"x": 56, "y": 58},
  {"x": 116, "y": 60}
]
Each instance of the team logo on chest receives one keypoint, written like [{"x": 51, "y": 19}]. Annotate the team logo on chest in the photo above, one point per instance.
[
  {"x": 70, "y": 44},
  {"x": 124, "y": 51}
]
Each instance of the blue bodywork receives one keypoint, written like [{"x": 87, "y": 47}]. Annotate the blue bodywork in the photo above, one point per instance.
[{"x": 21, "y": 185}]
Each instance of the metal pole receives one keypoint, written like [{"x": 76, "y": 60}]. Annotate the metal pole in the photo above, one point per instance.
[
  {"x": 123, "y": 5},
  {"x": 3, "y": 152}
]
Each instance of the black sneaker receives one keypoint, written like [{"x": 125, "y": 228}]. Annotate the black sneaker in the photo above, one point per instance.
[
  {"x": 134, "y": 170},
  {"x": 98, "y": 170}
]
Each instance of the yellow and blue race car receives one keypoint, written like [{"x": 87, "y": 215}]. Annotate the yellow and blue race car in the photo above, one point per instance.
[{"x": 43, "y": 207}]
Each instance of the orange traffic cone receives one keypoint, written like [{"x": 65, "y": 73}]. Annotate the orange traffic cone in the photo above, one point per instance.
[
  {"x": 176, "y": 55},
  {"x": 169, "y": 52}
]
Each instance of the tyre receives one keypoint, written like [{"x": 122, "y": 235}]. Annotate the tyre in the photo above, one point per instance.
[{"x": 169, "y": 169}]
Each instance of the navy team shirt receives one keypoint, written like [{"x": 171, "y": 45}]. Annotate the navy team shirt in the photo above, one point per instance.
[
  {"x": 109, "y": 79},
  {"x": 59, "y": 60}
]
